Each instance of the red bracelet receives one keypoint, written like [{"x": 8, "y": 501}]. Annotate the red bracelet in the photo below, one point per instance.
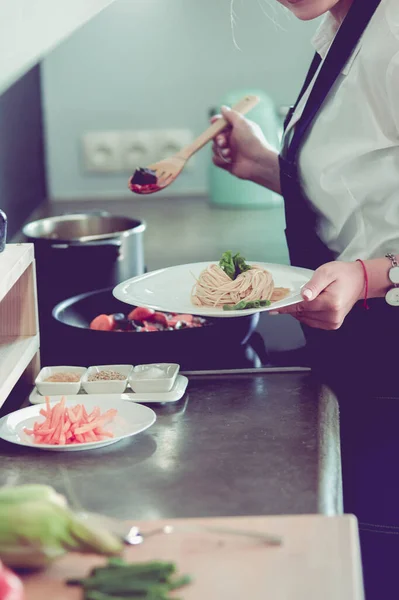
[{"x": 366, "y": 284}]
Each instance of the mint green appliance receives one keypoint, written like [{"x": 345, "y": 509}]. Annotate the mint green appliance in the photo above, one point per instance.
[{"x": 226, "y": 190}]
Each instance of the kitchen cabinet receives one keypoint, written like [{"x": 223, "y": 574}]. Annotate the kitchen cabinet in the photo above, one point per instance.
[
  {"x": 29, "y": 30},
  {"x": 19, "y": 327}
]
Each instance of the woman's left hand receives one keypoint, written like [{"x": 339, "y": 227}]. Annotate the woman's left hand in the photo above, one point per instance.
[{"x": 328, "y": 297}]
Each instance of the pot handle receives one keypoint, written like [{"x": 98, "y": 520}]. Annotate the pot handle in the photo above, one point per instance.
[
  {"x": 98, "y": 213},
  {"x": 109, "y": 249}
]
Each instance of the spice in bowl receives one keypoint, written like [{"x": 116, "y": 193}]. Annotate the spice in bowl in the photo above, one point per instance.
[
  {"x": 150, "y": 372},
  {"x": 63, "y": 378},
  {"x": 107, "y": 376}
]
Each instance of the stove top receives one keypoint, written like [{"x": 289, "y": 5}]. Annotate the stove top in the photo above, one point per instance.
[{"x": 277, "y": 342}]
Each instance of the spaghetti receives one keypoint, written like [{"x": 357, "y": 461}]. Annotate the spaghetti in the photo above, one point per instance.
[{"x": 215, "y": 288}]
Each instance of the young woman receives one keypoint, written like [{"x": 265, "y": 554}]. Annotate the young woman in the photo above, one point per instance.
[{"x": 338, "y": 172}]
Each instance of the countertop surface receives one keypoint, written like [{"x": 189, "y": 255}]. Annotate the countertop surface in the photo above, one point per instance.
[
  {"x": 248, "y": 444},
  {"x": 235, "y": 445}
]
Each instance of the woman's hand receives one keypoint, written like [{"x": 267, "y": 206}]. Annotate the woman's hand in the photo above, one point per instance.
[
  {"x": 243, "y": 150},
  {"x": 329, "y": 296}
]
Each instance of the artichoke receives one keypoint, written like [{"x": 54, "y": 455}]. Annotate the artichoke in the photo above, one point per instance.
[{"x": 37, "y": 527}]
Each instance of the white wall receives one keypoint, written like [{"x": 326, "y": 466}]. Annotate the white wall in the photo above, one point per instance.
[
  {"x": 29, "y": 29},
  {"x": 162, "y": 63}
]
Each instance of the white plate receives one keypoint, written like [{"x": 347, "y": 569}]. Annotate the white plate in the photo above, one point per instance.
[
  {"x": 169, "y": 289},
  {"x": 176, "y": 394},
  {"x": 130, "y": 420}
]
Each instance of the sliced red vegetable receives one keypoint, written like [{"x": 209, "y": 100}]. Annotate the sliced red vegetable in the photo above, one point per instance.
[
  {"x": 70, "y": 426},
  {"x": 11, "y": 587},
  {"x": 186, "y": 318},
  {"x": 141, "y": 313},
  {"x": 161, "y": 318},
  {"x": 102, "y": 323},
  {"x": 180, "y": 318},
  {"x": 149, "y": 327}
]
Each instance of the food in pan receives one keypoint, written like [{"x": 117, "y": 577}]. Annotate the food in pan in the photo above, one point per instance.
[{"x": 143, "y": 319}]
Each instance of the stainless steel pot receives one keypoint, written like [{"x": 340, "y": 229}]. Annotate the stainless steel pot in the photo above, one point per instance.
[
  {"x": 78, "y": 253},
  {"x": 92, "y": 233}
]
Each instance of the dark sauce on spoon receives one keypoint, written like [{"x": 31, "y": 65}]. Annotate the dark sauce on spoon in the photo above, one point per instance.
[{"x": 144, "y": 181}]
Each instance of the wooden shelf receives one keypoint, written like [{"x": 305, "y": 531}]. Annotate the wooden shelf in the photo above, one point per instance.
[
  {"x": 19, "y": 327},
  {"x": 15, "y": 356},
  {"x": 13, "y": 263}
]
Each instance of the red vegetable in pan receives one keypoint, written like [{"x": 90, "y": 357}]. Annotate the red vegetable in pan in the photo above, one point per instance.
[
  {"x": 145, "y": 319},
  {"x": 141, "y": 314},
  {"x": 103, "y": 323}
]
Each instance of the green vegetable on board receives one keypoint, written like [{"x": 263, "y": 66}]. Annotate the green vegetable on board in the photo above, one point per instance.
[
  {"x": 120, "y": 580},
  {"x": 37, "y": 526}
]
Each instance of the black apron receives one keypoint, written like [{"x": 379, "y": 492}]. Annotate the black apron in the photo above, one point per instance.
[
  {"x": 360, "y": 360},
  {"x": 362, "y": 353}
]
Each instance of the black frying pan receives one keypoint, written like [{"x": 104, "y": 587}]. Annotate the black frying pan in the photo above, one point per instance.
[{"x": 191, "y": 348}]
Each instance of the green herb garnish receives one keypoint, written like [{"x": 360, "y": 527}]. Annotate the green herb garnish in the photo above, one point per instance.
[
  {"x": 246, "y": 305},
  {"x": 233, "y": 266}
]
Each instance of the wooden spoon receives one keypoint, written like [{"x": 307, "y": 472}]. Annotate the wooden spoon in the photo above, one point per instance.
[{"x": 158, "y": 176}]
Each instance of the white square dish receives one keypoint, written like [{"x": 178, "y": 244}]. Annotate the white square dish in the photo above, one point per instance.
[
  {"x": 106, "y": 386},
  {"x": 61, "y": 388},
  {"x": 140, "y": 383}
]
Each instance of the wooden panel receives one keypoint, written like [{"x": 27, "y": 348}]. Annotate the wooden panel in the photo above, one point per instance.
[
  {"x": 16, "y": 354},
  {"x": 19, "y": 328},
  {"x": 18, "y": 309},
  {"x": 33, "y": 369},
  {"x": 319, "y": 560},
  {"x": 13, "y": 262}
]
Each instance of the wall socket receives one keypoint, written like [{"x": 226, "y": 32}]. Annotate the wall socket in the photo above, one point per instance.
[
  {"x": 124, "y": 151},
  {"x": 102, "y": 152}
]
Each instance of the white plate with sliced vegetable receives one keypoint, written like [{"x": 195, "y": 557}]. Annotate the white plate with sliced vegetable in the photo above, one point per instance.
[
  {"x": 231, "y": 287},
  {"x": 69, "y": 425}
]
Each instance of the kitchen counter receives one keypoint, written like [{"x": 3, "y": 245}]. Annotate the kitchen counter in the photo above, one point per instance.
[
  {"x": 235, "y": 445},
  {"x": 244, "y": 444}
]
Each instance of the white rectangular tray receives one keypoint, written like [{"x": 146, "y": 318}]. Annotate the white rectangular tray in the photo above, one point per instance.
[{"x": 174, "y": 395}]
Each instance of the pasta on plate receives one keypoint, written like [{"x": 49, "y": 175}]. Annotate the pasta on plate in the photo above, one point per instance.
[{"x": 234, "y": 285}]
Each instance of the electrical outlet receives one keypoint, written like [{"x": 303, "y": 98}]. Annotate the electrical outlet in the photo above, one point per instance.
[
  {"x": 137, "y": 149},
  {"x": 102, "y": 152},
  {"x": 171, "y": 141},
  {"x": 125, "y": 151}
]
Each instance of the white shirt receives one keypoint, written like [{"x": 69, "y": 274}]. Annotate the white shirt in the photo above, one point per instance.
[{"x": 349, "y": 161}]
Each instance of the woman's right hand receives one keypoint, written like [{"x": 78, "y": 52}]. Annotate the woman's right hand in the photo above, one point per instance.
[{"x": 243, "y": 150}]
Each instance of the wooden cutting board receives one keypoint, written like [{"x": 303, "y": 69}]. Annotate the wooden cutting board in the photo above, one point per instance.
[{"x": 319, "y": 560}]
